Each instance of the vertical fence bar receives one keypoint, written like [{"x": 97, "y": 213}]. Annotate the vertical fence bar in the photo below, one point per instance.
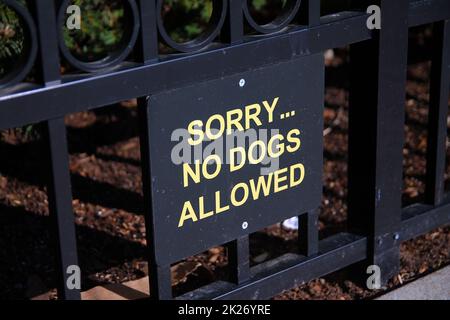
[
  {"x": 149, "y": 33},
  {"x": 238, "y": 260},
  {"x": 376, "y": 137},
  {"x": 309, "y": 13},
  {"x": 238, "y": 251},
  {"x": 159, "y": 276},
  {"x": 59, "y": 184},
  {"x": 60, "y": 206},
  {"x": 45, "y": 13},
  {"x": 233, "y": 29},
  {"x": 308, "y": 233},
  {"x": 437, "y": 122}
]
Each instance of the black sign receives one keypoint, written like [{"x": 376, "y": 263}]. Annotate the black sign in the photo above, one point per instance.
[{"x": 234, "y": 155}]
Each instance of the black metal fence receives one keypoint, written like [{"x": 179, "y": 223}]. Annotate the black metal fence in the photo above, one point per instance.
[{"x": 377, "y": 222}]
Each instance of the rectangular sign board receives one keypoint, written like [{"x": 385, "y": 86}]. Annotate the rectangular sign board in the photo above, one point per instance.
[{"x": 234, "y": 155}]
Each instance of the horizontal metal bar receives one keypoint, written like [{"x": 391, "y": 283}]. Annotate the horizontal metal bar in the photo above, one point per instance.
[
  {"x": 47, "y": 103},
  {"x": 288, "y": 271},
  {"x": 421, "y": 219},
  {"x": 428, "y": 11}
]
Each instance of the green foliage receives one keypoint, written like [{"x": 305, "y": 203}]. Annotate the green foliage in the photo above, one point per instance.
[
  {"x": 102, "y": 24},
  {"x": 11, "y": 38},
  {"x": 186, "y": 19},
  {"x": 265, "y": 11},
  {"x": 259, "y": 4}
]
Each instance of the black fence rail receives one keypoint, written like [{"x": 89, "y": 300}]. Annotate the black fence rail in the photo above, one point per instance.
[{"x": 377, "y": 222}]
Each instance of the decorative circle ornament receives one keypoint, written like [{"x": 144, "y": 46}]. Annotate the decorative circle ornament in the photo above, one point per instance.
[
  {"x": 286, "y": 16},
  {"x": 112, "y": 59},
  {"x": 215, "y": 24},
  {"x": 25, "y": 61}
]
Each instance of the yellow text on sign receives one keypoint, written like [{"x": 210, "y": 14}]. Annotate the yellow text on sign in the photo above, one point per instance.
[
  {"x": 237, "y": 119},
  {"x": 278, "y": 181},
  {"x": 212, "y": 165}
]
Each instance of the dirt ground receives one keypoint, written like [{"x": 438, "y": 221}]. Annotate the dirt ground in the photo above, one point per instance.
[{"x": 108, "y": 201}]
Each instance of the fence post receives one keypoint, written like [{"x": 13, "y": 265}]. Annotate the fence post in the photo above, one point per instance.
[
  {"x": 239, "y": 260},
  {"x": 159, "y": 276},
  {"x": 238, "y": 250},
  {"x": 438, "y": 112},
  {"x": 309, "y": 13},
  {"x": 308, "y": 233},
  {"x": 376, "y": 137},
  {"x": 148, "y": 42},
  {"x": 233, "y": 29},
  {"x": 160, "y": 282},
  {"x": 59, "y": 184},
  {"x": 60, "y": 207}
]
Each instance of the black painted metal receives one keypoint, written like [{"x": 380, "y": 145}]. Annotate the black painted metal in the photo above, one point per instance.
[
  {"x": 437, "y": 123},
  {"x": 60, "y": 207},
  {"x": 112, "y": 59},
  {"x": 17, "y": 108},
  {"x": 420, "y": 219},
  {"x": 59, "y": 184},
  {"x": 216, "y": 97},
  {"x": 26, "y": 60},
  {"x": 159, "y": 275},
  {"x": 272, "y": 277},
  {"x": 238, "y": 252},
  {"x": 377, "y": 222},
  {"x": 308, "y": 233},
  {"x": 287, "y": 14},
  {"x": 376, "y": 120},
  {"x": 216, "y": 22}
]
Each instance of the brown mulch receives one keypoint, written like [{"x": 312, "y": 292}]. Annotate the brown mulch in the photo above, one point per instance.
[{"x": 108, "y": 203}]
